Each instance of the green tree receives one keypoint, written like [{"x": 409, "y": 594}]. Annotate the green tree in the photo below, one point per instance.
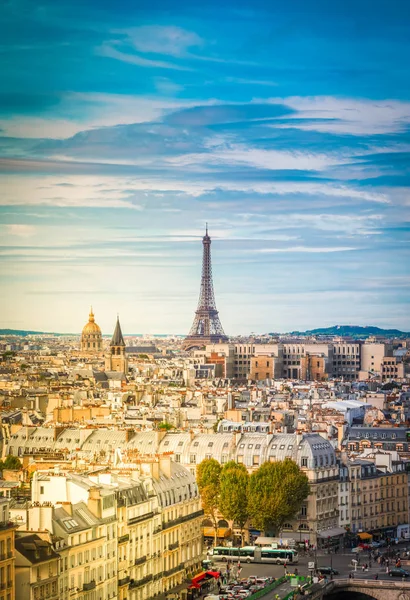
[
  {"x": 11, "y": 462},
  {"x": 233, "y": 500},
  {"x": 209, "y": 485},
  {"x": 276, "y": 493},
  {"x": 165, "y": 426}
]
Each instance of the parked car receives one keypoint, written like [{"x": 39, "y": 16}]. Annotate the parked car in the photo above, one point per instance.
[
  {"x": 327, "y": 571},
  {"x": 398, "y": 572}
]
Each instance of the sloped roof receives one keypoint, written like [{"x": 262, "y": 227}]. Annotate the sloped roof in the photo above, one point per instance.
[{"x": 117, "y": 338}]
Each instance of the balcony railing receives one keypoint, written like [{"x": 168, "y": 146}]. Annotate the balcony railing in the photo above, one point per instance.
[
  {"x": 140, "y": 518},
  {"x": 173, "y": 570},
  {"x": 140, "y": 560},
  {"x": 173, "y": 546},
  {"x": 89, "y": 586},
  {"x": 124, "y": 581},
  {"x": 183, "y": 519},
  {"x": 134, "y": 583},
  {"x": 123, "y": 538}
]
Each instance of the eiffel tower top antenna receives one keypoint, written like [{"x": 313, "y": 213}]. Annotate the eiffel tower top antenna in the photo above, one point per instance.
[{"x": 206, "y": 328}]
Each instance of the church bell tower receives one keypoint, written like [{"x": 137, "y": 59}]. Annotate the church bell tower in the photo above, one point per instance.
[{"x": 117, "y": 359}]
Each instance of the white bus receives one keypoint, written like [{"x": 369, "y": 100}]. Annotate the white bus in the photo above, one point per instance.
[{"x": 249, "y": 554}]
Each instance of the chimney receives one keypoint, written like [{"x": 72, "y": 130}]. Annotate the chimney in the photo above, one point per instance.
[
  {"x": 68, "y": 507},
  {"x": 155, "y": 466},
  {"x": 165, "y": 465},
  {"x": 159, "y": 436},
  {"x": 341, "y": 429},
  {"x": 94, "y": 501}
]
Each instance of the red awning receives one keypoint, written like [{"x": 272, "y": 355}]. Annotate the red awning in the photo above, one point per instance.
[{"x": 199, "y": 579}]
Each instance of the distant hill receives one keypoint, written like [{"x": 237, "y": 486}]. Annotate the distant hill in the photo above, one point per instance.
[
  {"x": 353, "y": 331},
  {"x": 24, "y": 332}
]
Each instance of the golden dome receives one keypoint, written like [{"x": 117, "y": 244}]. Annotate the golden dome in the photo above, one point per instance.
[{"x": 91, "y": 327}]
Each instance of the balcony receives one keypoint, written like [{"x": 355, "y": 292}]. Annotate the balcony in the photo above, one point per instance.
[
  {"x": 195, "y": 515},
  {"x": 173, "y": 546},
  {"x": 3, "y": 585},
  {"x": 123, "y": 538},
  {"x": 140, "y": 560},
  {"x": 140, "y": 582},
  {"x": 173, "y": 570},
  {"x": 140, "y": 518},
  {"x": 89, "y": 586},
  {"x": 123, "y": 581}
]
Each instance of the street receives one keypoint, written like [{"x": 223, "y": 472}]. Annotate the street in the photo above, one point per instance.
[{"x": 340, "y": 562}]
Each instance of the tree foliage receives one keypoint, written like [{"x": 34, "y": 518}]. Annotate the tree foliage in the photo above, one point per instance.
[
  {"x": 165, "y": 426},
  {"x": 276, "y": 493},
  {"x": 11, "y": 462},
  {"x": 234, "y": 487},
  {"x": 208, "y": 479}
]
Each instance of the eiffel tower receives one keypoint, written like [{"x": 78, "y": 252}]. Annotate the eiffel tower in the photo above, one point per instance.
[{"x": 206, "y": 328}]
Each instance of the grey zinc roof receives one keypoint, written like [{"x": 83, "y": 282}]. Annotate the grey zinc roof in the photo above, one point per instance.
[
  {"x": 103, "y": 439},
  {"x": 175, "y": 442},
  {"x": 177, "y": 488},
  {"x": 204, "y": 444}
]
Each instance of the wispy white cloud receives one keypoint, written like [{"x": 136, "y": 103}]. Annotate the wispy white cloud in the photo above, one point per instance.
[
  {"x": 260, "y": 158},
  {"x": 20, "y": 229},
  {"x": 161, "y": 39},
  {"x": 305, "y": 249},
  {"x": 353, "y": 116},
  {"x": 111, "y": 51}
]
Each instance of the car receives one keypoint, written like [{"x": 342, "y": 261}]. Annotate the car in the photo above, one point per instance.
[
  {"x": 327, "y": 571},
  {"x": 398, "y": 572},
  {"x": 365, "y": 546}
]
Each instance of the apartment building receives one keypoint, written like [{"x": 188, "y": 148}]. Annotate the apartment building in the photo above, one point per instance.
[
  {"x": 382, "y": 438},
  {"x": 7, "y": 558},
  {"x": 346, "y": 360},
  {"x": 82, "y": 517},
  {"x": 378, "y": 493},
  {"x": 36, "y": 568},
  {"x": 372, "y": 355},
  {"x": 344, "y": 497},
  {"x": 130, "y": 532},
  {"x": 139, "y": 539}
]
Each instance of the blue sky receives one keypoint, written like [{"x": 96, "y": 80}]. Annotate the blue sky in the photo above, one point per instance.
[{"x": 125, "y": 126}]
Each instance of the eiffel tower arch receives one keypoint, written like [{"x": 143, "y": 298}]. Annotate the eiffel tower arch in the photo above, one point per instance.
[{"x": 206, "y": 328}]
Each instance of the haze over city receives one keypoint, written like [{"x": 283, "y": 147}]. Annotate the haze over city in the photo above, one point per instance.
[{"x": 125, "y": 127}]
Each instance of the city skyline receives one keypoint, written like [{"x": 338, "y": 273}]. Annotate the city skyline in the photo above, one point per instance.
[{"x": 123, "y": 129}]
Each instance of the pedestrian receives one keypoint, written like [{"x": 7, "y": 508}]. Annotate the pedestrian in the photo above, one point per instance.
[
  {"x": 376, "y": 576},
  {"x": 350, "y": 576}
]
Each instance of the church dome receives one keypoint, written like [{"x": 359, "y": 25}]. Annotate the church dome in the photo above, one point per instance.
[
  {"x": 91, "y": 337},
  {"x": 91, "y": 326}
]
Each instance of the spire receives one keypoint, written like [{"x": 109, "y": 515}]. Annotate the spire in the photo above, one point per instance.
[
  {"x": 117, "y": 339},
  {"x": 91, "y": 315}
]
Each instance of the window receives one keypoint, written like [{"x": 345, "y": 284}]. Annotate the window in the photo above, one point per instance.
[
  {"x": 192, "y": 459},
  {"x": 41, "y": 489},
  {"x": 304, "y": 462}
]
